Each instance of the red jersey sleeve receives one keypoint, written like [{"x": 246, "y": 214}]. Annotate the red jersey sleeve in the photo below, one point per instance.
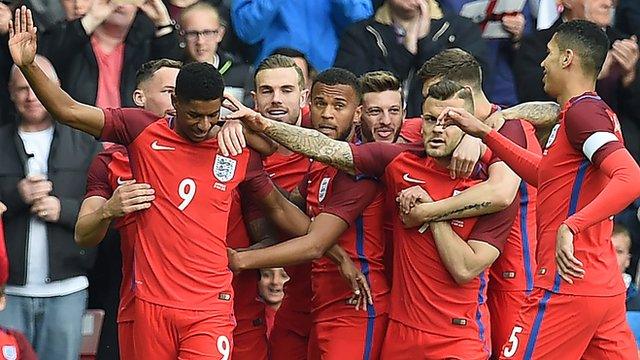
[
  {"x": 123, "y": 125},
  {"x": 98, "y": 177},
  {"x": 257, "y": 183},
  {"x": 25, "y": 349},
  {"x": 4, "y": 258},
  {"x": 350, "y": 196},
  {"x": 372, "y": 158},
  {"x": 514, "y": 131},
  {"x": 590, "y": 128},
  {"x": 494, "y": 228}
]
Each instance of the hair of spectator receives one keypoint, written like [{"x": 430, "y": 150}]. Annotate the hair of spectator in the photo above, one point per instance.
[
  {"x": 148, "y": 69},
  {"x": 293, "y": 53},
  {"x": 587, "y": 40},
  {"x": 202, "y": 6},
  {"x": 620, "y": 229},
  {"x": 338, "y": 76},
  {"x": 379, "y": 81},
  {"x": 447, "y": 89},
  {"x": 44, "y": 63},
  {"x": 199, "y": 81},
  {"x": 277, "y": 61},
  {"x": 453, "y": 64}
]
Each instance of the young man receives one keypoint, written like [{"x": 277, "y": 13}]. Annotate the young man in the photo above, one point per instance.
[
  {"x": 112, "y": 195},
  {"x": 271, "y": 288},
  {"x": 181, "y": 275},
  {"x": 383, "y": 109},
  {"x": 585, "y": 162},
  {"x": 345, "y": 211}
]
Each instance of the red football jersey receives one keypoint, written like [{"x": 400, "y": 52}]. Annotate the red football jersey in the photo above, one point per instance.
[
  {"x": 360, "y": 203},
  {"x": 15, "y": 346},
  {"x": 4, "y": 259},
  {"x": 411, "y": 130},
  {"x": 514, "y": 269},
  {"x": 180, "y": 249},
  {"x": 424, "y": 294},
  {"x": 107, "y": 171},
  {"x": 568, "y": 180}
]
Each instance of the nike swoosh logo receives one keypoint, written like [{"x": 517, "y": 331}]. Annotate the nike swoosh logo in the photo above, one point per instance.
[
  {"x": 120, "y": 181},
  {"x": 156, "y": 146},
  {"x": 409, "y": 179}
]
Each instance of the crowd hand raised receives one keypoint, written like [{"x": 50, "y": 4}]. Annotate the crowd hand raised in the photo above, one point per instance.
[
  {"x": 156, "y": 11},
  {"x": 625, "y": 53},
  {"x": 418, "y": 28},
  {"x": 22, "y": 37},
  {"x": 127, "y": 198},
  {"x": 5, "y": 17},
  {"x": 464, "y": 120},
  {"x": 464, "y": 157},
  {"x": 359, "y": 285},
  {"x": 569, "y": 267},
  {"x": 514, "y": 25},
  {"x": 231, "y": 138},
  {"x": 33, "y": 188},
  {"x": 47, "y": 208},
  {"x": 250, "y": 118}
]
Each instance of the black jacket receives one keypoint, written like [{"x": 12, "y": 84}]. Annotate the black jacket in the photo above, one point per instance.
[
  {"x": 68, "y": 47},
  {"x": 70, "y": 156},
  {"x": 369, "y": 46}
]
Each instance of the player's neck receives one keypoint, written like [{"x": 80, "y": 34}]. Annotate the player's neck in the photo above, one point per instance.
[
  {"x": 575, "y": 88},
  {"x": 444, "y": 161},
  {"x": 482, "y": 105}
]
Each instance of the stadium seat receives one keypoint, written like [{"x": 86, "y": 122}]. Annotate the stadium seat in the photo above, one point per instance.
[{"x": 91, "y": 330}]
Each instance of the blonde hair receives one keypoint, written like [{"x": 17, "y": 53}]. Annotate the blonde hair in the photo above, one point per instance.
[
  {"x": 383, "y": 15},
  {"x": 202, "y": 6}
]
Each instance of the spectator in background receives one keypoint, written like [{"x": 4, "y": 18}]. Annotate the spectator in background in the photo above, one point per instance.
[
  {"x": 75, "y": 9},
  {"x": 43, "y": 168},
  {"x": 628, "y": 17},
  {"x": 271, "y": 287},
  {"x": 401, "y": 37},
  {"x": 500, "y": 85},
  {"x": 6, "y": 107},
  {"x": 311, "y": 26},
  {"x": 617, "y": 84},
  {"x": 308, "y": 71},
  {"x": 98, "y": 55},
  {"x": 202, "y": 30},
  {"x": 622, "y": 243}
]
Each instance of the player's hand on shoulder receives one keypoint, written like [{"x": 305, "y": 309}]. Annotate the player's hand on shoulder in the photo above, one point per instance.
[
  {"x": 252, "y": 119},
  {"x": 129, "y": 197},
  {"x": 465, "y": 157},
  {"x": 234, "y": 261},
  {"x": 569, "y": 267},
  {"x": 231, "y": 138}
]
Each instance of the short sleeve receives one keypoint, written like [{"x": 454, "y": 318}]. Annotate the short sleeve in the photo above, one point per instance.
[
  {"x": 257, "y": 183},
  {"x": 123, "y": 125},
  {"x": 514, "y": 131},
  {"x": 591, "y": 129},
  {"x": 98, "y": 177},
  {"x": 372, "y": 158},
  {"x": 495, "y": 228},
  {"x": 350, "y": 196}
]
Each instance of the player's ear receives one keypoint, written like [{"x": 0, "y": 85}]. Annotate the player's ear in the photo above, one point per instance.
[
  {"x": 255, "y": 101},
  {"x": 357, "y": 114},
  {"x": 138, "y": 98},
  {"x": 174, "y": 101},
  {"x": 304, "y": 97},
  {"x": 567, "y": 58}
]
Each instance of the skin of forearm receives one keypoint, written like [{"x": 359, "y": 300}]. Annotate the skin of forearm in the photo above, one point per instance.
[
  {"x": 337, "y": 254},
  {"x": 92, "y": 227},
  {"x": 542, "y": 114},
  {"x": 313, "y": 144},
  {"x": 455, "y": 253},
  {"x": 295, "y": 251}
]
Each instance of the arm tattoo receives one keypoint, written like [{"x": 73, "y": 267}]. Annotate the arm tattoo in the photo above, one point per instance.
[
  {"x": 539, "y": 114},
  {"x": 261, "y": 233},
  {"x": 455, "y": 214},
  {"x": 313, "y": 144}
]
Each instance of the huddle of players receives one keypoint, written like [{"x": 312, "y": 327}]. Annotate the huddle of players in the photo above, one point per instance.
[{"x": 436, "y": 305}]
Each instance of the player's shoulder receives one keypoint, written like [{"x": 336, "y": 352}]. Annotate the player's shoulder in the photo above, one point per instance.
[{"x": 585, "y": 104}]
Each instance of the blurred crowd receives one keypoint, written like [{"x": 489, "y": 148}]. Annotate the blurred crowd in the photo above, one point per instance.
[{"x": 95, "y": 49}]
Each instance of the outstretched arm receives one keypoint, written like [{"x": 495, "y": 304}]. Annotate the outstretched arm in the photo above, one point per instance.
[
  {"x": 23, "y": 45},
  {"x": 543, "y": 115}
]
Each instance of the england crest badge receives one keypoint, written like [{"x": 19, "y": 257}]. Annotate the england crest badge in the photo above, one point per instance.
[
  {"x": 224, "y": 168},
  {"x": 9, "y": 352},
  {"x": 324, "y": 185}
]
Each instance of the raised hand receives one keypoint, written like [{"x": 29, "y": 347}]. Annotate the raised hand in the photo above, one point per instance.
[
  {"x": 156, "y": 11},
  {"x": 252, "y": 119},
  {"x": 22, "y": 37},
  {"x": 463, "y": 119}
]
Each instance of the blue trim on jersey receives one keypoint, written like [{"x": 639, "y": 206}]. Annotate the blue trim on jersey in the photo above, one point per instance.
[
  {"x": 482, "y": 301},
  {"x": 573, "y": 206},
  {"x": 364, "y": 266},
  {"x": 542, "y": 307},
  {"x": 524, "y": 233}
]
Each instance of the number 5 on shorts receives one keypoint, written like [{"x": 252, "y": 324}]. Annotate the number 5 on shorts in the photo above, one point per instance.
[
  {"x": 224, "y": 347},
  {"x": 513, "y": 340}
]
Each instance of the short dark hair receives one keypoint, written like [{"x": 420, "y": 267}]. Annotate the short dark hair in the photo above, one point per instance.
[
  {"x": 453, "y": 64},
  {"x": 587, "y": 40},
  {"x": 339, "y": 76},
  {"x": 379, "y": 81},
  {"x": 149, "y": 68},
  {"x": 199, "y": 81},
  {"x": 447, "y": 89},
  {"x": 277, "y": 61}
]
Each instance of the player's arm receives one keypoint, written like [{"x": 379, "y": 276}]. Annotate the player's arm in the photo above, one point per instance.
[
  {"x": 543, "y": 115},
  {"x": 22, "y": 45},
  {"x": 352, "y": 275},
  {"x": 233, "y": 137},
  {"x": 465, "y": 260},
  {"x": 97, "y": 212},
  {"x": 525, "y": 163}
]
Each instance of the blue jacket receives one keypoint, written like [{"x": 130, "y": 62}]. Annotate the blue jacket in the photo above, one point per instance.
[{"x": 309, "y": 26}]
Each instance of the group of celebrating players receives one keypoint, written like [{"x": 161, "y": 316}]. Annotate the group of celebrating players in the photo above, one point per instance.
[{"x": 472, "y": 242}]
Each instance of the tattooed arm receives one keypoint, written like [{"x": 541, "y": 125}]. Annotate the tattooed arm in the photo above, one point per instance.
[{"x": 543, "y": 115}]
